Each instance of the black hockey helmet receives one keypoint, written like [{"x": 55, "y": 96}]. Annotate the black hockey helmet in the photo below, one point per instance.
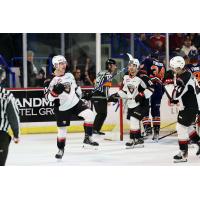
[{"x": 109, "y": 62}]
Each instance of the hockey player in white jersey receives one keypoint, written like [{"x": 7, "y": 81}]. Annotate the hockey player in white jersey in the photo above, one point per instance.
[
  {"x": 183, "y": 87},
  {"x": 66, "y": 95},
  {"x": 137, "y": 89}
]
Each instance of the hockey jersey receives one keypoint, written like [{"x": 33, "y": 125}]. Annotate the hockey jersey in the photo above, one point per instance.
[
  {"x": 194, "y": 69},
  {"x": 154, "y": 69},
  {"x": 132, "y": 86},
  {"x": 71, "y": 95}
]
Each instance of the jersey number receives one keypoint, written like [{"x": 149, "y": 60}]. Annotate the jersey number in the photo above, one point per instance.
[{"x": 158, "y": 72}]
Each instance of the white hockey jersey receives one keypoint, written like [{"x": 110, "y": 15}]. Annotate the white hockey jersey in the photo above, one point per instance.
[
  {"x": 72, "y": 94},
  {"x": 133, "y": 86}
]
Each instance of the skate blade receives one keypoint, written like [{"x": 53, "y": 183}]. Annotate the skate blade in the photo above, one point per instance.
[
  {"x": 180, "y": 161},
  {"x": 135, "y": 146},
  {"x": 90, "y": 147},
  {"x": 130, "y": 147}
]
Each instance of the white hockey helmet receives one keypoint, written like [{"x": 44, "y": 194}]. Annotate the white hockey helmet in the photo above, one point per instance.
[
  {"x": 58, "y": 59},
  {"x": 136, "y": 62},
  {"x": 176, "y": 62}
]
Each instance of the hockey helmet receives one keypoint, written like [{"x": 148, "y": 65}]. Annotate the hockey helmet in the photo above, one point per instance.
[
  {"x": 109, "y": 62},
  {"x": 177, "y": 62},
  {"x": 58, "y": 59},
  {"x": 136, "y": 62}
]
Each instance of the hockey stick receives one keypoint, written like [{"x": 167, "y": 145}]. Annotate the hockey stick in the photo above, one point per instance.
[{"x": 173, "y": 132}]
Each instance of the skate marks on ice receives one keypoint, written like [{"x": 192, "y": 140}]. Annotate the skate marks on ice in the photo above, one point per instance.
[{"x": 40, "y": 150}]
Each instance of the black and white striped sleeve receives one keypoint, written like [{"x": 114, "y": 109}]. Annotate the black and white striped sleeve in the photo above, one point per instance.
[{"x": 13, "y": 115}]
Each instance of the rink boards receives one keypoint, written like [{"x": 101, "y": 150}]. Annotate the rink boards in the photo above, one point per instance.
[{"x": 37, "y": 115}]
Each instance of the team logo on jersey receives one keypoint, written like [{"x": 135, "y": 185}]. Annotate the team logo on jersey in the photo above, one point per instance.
[
  {"x": 67, "y": 87},
  {"x": 131, "y": 88}
]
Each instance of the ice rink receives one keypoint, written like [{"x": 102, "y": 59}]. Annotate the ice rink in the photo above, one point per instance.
[{"x": 40, "y": 149}]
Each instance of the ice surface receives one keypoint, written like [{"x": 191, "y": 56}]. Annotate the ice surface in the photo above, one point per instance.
[{"x": 40, "y": 149}]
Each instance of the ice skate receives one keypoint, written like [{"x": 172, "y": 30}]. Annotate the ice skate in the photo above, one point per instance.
[
  {"x": 147, "y": 133},
  {"x": 155, "y": 137},
  {"x": 60, "y": 154},
  {"x": 181, "y": 157},
  {"x": 130, "y": 144},
  {"x": 88, "y": 142},
  {"x": 135, "y": 143},
  {"x": 156, "y": 134},
  {"x": 139, "y": 143}
]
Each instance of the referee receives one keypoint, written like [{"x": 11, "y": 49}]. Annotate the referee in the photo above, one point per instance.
[
  {"x": 102, "y": 85},
  {"x": 8, "y": 116}
]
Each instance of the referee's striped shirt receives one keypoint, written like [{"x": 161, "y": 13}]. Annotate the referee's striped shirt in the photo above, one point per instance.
[
  {"x": 9, "y": 113},
  {"x": 102, "y": 78}
]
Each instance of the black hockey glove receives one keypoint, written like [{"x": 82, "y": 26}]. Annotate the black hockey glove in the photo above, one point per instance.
[
  {"x": 169, "y": 77},
  {"x": 140, "y": 97},
  {"x": 174, "y": 101},
  {"x": 58, "y": 89},
  {"x": 46, "y": 83},
  {"x": 87, "y": 96},
  {"x": 114, "y": 97}
]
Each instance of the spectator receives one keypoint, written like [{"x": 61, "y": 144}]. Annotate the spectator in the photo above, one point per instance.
[
  {"x": 157, "y": 42},
  {"x": 176, "y": 42},
  {"x": 142, "y": 45},
  {"x": 195, "y": 37},
  {"x": 187, "y": 46},
  {"x": 35, "y": 78},
  {"x": 31, "y": 69},
  {"x": 88, "y": 78},
  {"x": 40, "y": 78},
  {"x": 77, "y": 76}
]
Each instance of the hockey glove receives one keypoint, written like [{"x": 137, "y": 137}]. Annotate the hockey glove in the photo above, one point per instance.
[
  {"x": 114, "y": 97},
  {"x": 173, "y": 101},
  {"x": 46, "y": 83},
  {"x": 140, "y": 97},
  {"x": 57, "y": 89},
  {"x": 87, "y": 96},
  {"x": 168, "y": 78}
]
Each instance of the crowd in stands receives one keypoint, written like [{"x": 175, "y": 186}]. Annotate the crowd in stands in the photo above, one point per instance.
[
  {"x": 83, "y": 67},
  {"x": 179, "y": 44}
]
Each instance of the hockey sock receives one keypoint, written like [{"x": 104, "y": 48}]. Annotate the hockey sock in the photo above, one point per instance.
[
  {"x": 194, "y": 137},
  {"x": 156, "y": 129},
  {"x": 61, "y": 143},
  {"x": 135, "y": 134},
  {"x": 88, "y": 129},
  {"x": 183, "y": 145}
]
